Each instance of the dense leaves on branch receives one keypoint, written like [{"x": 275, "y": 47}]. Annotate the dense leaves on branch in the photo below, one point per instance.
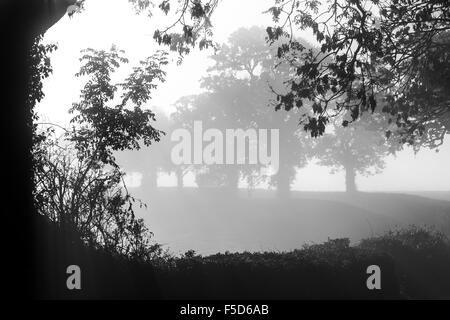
[
  {"x": 39, "y": 69},
  {"x": 394, "y": 49},
  {"x": 101, "y": 128},
  {"x": 191, "y": 23},
  {"x": 78, "y": 183}
]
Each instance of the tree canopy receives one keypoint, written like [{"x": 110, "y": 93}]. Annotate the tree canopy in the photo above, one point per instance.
[
  {"x": 238, "y": 95},
  {"x": 396, "y": 49},
  {"x": 358, "y": 149}
]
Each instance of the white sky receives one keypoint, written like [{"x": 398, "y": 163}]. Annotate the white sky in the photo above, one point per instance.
[{"x": 105, "y": 22}]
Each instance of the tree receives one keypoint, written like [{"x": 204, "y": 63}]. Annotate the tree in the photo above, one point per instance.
[
  {"x": 358, "y": 149},
  {"x": 238, "y": 95},
  {"x": 78, "y": 183},
  {"x": 249, "y": 56},
  {"x": 149, "y": 161},
  {"x": 217, "y": 110},
  {"x": 21, "y": 22},
  {"x": 90, "y": 203},
  {"x": 396, "y": 49}
]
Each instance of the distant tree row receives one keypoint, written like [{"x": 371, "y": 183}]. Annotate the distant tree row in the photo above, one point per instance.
[
  {"x": 239, "y": 93},
  {"x": 378, "y": 79}
]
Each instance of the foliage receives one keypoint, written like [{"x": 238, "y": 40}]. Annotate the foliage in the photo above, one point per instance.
[
  {"x": 422, "y": 259},
  {"x": 78, "y": 183},
  {"x": 191, "y": 26},
  {"x": 396, "y": 50},
  {"x": 238, "y": 95},
  {"x": 333, "y": 269},
  {"x": 424, "y": 240},
  {"x": 102, "y": 129},
  {"x": 39, "y": 69},
  {"x": 414, "y": 264},
  {"x": 150, "y": 160},
  {"x": 358, "y": 149}
]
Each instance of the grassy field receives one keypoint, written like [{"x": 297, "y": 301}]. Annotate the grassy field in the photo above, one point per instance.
[
  {"x": 414, "y": 261},
  {"x": 211, "y": 221}
]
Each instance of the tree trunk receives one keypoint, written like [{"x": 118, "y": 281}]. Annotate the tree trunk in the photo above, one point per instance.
[
  {"x": 286, "y": 170},
  {"x": 350, "y": 179},
  {"x": 283, "y": 181},
  {"x": 20, "y": 22},
  {"x": 16, "y": 174},
  {"x": 150, "y": 180},
  {"x": 283, "y": 188},
  {"x": 180, "y": 175},
  {"x": 232, "y": 178}
]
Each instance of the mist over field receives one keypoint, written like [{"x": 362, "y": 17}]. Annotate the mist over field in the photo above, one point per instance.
[
  {"x": 225, "y": 149},
  {"x": 228, "y": 90},
  {"x": 184, "y": 220}
]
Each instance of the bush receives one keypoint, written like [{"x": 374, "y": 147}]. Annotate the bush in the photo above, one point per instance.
[
  {"x": 422, "y": 260},
  {"x": 332, "y": 270},
  {"x": 414, "y": 264}
]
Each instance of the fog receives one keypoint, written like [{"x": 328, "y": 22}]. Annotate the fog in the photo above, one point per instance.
[{"x": 236, "y": 208}]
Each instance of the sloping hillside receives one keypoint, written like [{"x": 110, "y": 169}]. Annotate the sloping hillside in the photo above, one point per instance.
[{"x": 211, "y": 221}]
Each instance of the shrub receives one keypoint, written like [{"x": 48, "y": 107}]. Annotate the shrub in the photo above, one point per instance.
[{"x": 421, "y": 257}]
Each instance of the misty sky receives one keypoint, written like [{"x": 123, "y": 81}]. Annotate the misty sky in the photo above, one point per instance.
[{"x": 105, "y": 22}]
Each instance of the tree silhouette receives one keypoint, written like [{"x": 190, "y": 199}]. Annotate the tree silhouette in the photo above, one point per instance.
[
  {"x": 215, "y": 111},
  {"x": 239, "y": 90},
  {"x": 149, "y": 161},
  {"x": 21, "y": 22},
  {"x": 359, "y": 149},
  {"x": 394, "y": 49},
  {"x": 78, "y": 182}
]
